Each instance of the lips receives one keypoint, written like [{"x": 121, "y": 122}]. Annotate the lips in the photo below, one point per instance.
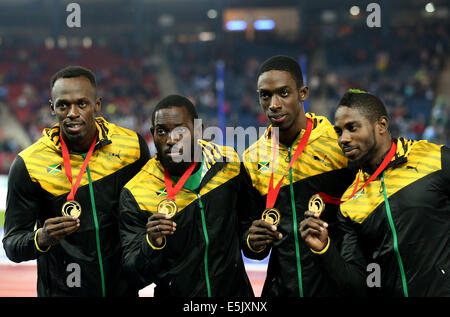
[
  {"x": 349, "y": 151},
  {"x": 173, "y": 153},
  {"x": 74, "y": 127},
  {"x": 277, "y": 118}
]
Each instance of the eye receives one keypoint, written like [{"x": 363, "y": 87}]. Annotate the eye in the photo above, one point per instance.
[
  {"x": 82, "y": 104},
  {"x": 160, "y": 131},
  {"x": 61, "y": 105},
  {"x": 263, "y": 95},
  {"x": 284, "y": 93},
  {"x": 338, "y": 131}
]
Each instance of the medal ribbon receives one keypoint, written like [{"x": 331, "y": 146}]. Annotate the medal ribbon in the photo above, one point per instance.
[
  {"x": 337, "y": 201},
  {"x": 272, "y": 192},
  {"x": 68, "y": 168},
  {"x": 172, "y": 191}
]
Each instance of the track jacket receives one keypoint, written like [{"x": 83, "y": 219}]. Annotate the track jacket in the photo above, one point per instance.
[
  {"x": 38, "y": 187},
  {"x": 320, "y": 168},
  {"x": 400, "y": 222},
  {"x": 203, "y": 257}
]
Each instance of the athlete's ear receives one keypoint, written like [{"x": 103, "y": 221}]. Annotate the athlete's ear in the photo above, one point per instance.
[
  {"x": 303, "y": 93},
  {"x": 98, "y": 104},
  {"x": 382, "y": 125},
  {"x": 52, "y": 107}
]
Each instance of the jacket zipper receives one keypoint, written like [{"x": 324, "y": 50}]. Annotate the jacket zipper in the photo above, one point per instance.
[
  {"x": 97, "y": 231},
  {"x": 205, "y": 233},
  {"x": 294, "y": 220}
]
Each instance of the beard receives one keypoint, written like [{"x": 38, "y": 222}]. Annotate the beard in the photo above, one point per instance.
[
  {"x": 366, "y": 158},
  {"x": 178, "y": 167}
]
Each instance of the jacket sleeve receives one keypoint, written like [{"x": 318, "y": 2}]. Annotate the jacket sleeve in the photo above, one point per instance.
[
  {"x": 140, "y": 261},
  {"x": 347, "y": 266},
  {"x": 445, "y": 163},
  {"x": 22, "y": 210},
  {"x": 250, "y": 207},
  {"x": 144, "y": 157}
]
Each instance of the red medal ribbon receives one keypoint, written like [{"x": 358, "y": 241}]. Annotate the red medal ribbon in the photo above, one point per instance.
[
  {"x": 68, "y": 168},
  {"x": 172, "y": 191},
  {"x": 272, "y": 192},
  {"x": 337, "y": 201}
]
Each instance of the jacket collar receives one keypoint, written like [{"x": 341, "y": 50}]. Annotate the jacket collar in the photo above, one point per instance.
[
  {"x": 404, "y": 147},
  {"x": 51, "y": 135},
  {"x": 320, "y": 124}
]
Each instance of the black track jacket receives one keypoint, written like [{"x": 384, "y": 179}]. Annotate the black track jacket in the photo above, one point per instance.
[
  {"x": 38, "y": 187},
  {"x": 321, "y": 167},
  {"x": 408, "y": 204},
  {"x": 203, "y": 257}
]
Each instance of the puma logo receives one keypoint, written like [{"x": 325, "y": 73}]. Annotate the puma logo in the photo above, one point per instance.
[
  {"x": 115, "y": 155},
  {"x": 413, "y": 167},
  {"x": 321, "y": 160}
]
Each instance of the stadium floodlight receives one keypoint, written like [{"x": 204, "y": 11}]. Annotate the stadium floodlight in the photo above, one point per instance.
[
  {"x": 87, "y": 42},
  {"x": 429, "y": 7},
  {"x": 355, "y": 10},
  {"x": 236, "y": 25},
  {"x": 212, "y": 14},
  {"x": 264, "y": 25},
  {"x": 206, "y": 36}
]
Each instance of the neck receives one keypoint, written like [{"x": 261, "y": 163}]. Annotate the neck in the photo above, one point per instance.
[
  {"x": 288, "y": 136},
  {"x": 80, "y": 146},
  {"x": 379, "y": 155}
]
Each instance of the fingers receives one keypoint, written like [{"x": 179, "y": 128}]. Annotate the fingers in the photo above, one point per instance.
[
  {"x": 159, "y": 225},
  {"x": 312, "y": 229},
  {"x": 262, "y": 233},
  {"x": 56, "y": 229}
]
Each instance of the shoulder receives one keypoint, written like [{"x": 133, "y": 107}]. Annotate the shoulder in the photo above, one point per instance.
[
  {"x": 38, "y": 147},
  {"x": 149, "y": 170},
  {"x": 258, "y": 148}
]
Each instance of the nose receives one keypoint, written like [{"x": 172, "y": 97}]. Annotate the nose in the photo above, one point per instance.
[
  {"x": 344, "y": 138},
  {"x": 275, "y": 104},
  {"x": 73, "y": 111},
  {"x": 173, "y": 137}
]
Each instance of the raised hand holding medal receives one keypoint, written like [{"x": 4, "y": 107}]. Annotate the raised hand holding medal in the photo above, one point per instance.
[
  {"x": 264, "y": 231},
  {"x": 160, "y": 224},
  {"x": 314, "y": 230}
]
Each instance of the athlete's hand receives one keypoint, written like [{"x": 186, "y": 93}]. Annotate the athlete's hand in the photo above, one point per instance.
[
  {"x": 56, "y": 229},
  {"x": 158, "y": 226},
  {"x": 314, "y": 231},
  {"x": 261, "y": 234}
]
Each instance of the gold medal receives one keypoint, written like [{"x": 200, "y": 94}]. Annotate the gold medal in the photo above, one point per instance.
[
  {"x": 71, "y": 208},
  {"x": 272, "y": 216},
  {"x": 168, "y": 207},
  {"x": 316, "y": 204}
]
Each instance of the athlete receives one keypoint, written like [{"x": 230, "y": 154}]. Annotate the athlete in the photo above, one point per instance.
[
  {"x": 395, "y": 215},
  {"x": 182, "y": 215},
  {"x": 296, "y": 158},
  {"x": 63, "y": 194}
]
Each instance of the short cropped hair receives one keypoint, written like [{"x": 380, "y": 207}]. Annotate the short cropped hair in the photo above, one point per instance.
[
  {"x": 369, "y": 105},
  {"x": 72, "y": 72},
  {"x": 175, "y": 101},
  {"x": 282, "y": 63}
]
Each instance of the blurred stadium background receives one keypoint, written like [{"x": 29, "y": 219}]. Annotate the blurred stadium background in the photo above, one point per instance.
[{"x": 209, "y": 50}]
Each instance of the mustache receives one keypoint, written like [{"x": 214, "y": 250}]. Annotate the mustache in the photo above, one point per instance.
[{"x": 347, "y": 148}]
